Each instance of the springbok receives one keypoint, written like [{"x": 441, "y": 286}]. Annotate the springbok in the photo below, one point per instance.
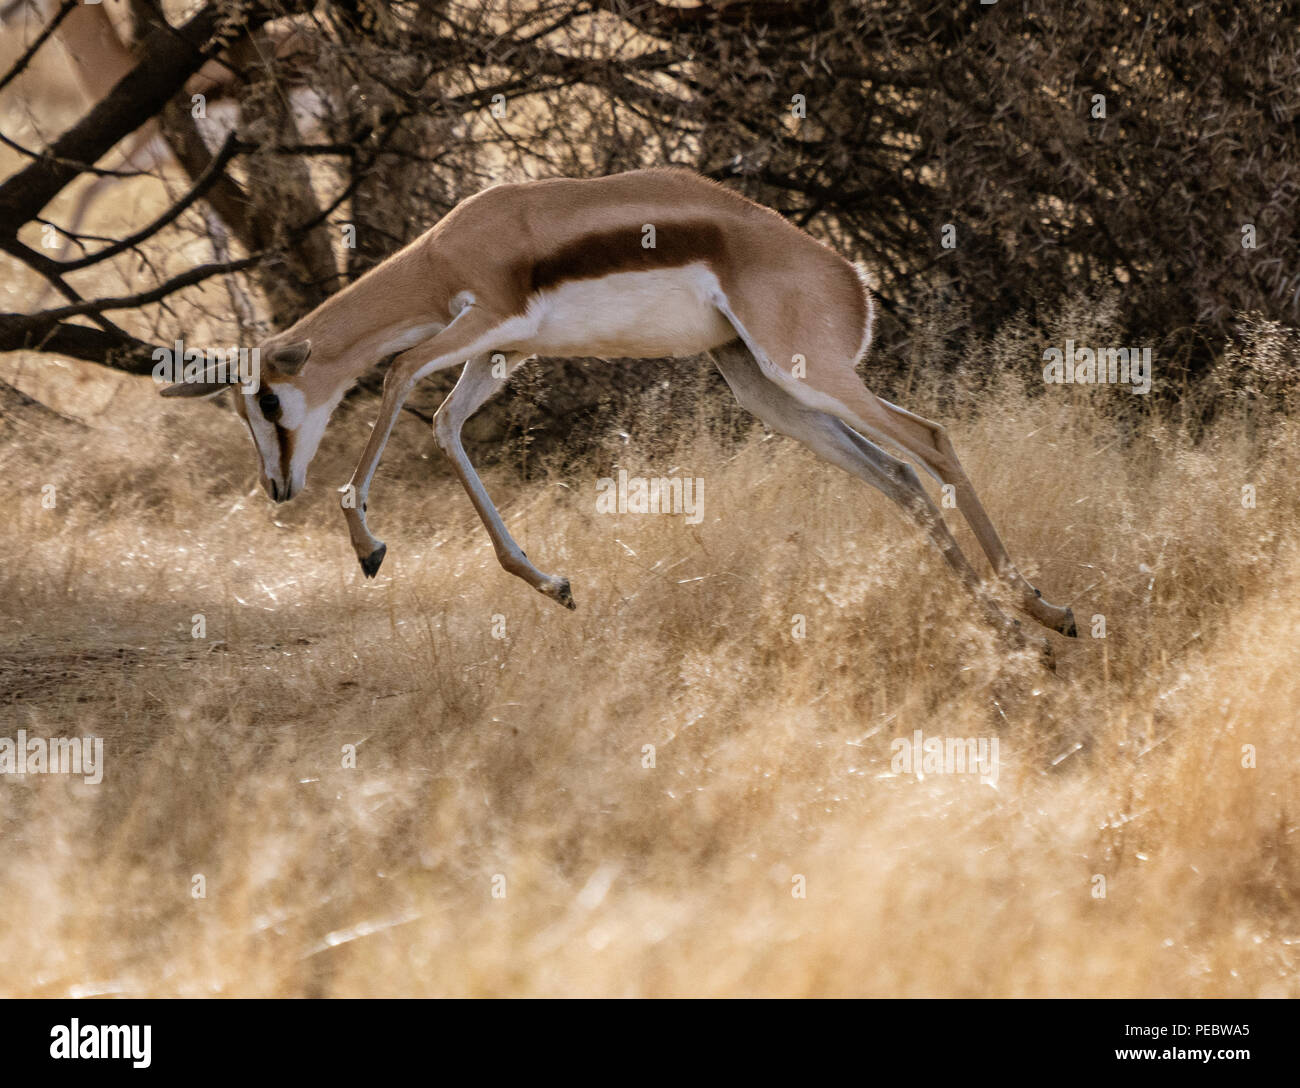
[{"x": 646, "y": 264}]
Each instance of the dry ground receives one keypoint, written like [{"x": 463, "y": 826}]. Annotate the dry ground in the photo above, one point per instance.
[{"x": 522, "y": 757}]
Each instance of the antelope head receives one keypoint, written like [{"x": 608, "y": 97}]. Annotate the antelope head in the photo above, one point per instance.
[{"x": 285, "y": 409}]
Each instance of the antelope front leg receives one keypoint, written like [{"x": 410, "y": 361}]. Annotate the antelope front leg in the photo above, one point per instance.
[
  {"x": 468, "y": 334},
  {"x": 398, "y": 384},
  {"x": 478, "y": 381}
]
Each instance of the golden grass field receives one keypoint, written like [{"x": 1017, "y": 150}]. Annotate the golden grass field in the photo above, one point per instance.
[
  {"x": 517, "y": 763},
  {"x": 522, "y": 757}
]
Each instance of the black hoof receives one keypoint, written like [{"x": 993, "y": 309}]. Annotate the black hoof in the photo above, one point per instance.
[
  {"x": 1068, "y": 628},
  {"x": 565, "y": 596},
  {"x": 370, "y": 564}
]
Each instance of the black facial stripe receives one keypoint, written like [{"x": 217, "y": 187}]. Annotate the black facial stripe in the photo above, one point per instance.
[{"x": 285, "y": 440}]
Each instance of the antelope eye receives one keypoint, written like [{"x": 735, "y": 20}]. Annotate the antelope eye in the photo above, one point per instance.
[{"x": 269, "y": 403}]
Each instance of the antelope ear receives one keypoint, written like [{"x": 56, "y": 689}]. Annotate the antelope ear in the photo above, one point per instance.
[{"x": 290, "y": 358}]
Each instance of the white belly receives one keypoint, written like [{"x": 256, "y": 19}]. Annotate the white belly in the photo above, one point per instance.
[{"x": 647, "y": 315}]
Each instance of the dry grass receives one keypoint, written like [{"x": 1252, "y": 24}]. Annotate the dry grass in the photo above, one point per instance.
[{"x": 523, "y": 756}]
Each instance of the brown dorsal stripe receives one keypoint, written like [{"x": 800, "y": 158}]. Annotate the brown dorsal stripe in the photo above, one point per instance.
[{"x": 622, "y": 249}]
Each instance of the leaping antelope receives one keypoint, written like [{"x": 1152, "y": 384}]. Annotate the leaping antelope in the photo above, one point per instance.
[{"x": 646, "y": 264}]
